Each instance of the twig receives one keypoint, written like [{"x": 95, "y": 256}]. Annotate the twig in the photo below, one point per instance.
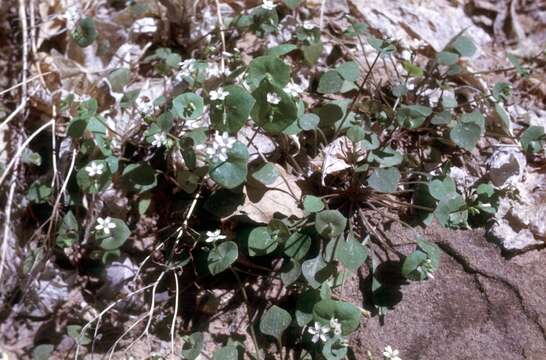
[
  {"x": 173, "y": 323},
  {"x": 252, "y": 332},
  {"x": 222, "y": 36}
]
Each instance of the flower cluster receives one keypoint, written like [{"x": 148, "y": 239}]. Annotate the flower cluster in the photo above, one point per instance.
[
  {"x": 273, "y": 98},
  {"x": 217, "y": 151},
  {"x": 320, "y": 332},
  {"x": 269, "y": 5},
  {"x": 219, "y": 94}
]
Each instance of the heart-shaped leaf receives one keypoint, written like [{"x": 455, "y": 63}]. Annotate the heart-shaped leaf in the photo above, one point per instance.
[
  {"x": 232, "y": 172},
  {"x": 290, "y": 272},
  {"x": 273, "y": 118},
  {"x": 188, "y": 106},
  {"x": 330, "y": 223},
  {"x": 117, "y": 236},
  {"x": 275, "y": 321},
  {"x": 231, "y": 114},
  {"x": 312, "y": 204},
  {"x": 260, "y": 241},
  {"x": 193, "y": 345},
  {"x": 271, "y": 68},
  {"x": 465, "y": 135},
  {"x": 226, "y": 353},
  {"x": 384, "y": 180},
  {"x": 352, "y": 253},
  {"x": 222, "y": 256},
  {"x": 267, "y": 174},
  {"x": 346, "y": 313}
]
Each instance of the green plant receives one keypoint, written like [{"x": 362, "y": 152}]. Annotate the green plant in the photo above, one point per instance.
[{"x": 199, "y": 139}]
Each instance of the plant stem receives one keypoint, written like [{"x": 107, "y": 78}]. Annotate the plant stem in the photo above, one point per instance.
[{"x": 245, "y": 297}]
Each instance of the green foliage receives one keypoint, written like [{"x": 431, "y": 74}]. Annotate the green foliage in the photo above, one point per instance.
[
  {"x": 267, "y": 174},
  {"x": 330, "y": 223},
  {"x": 232, "y": 172},
  {"x": 275, "y": 321},
  {"x": 85, "y": 32},
  {"x": 273, "y": 118},
  {"x": 385, "y": 180},
  {"x": 193, "y": 345},
  {"x": 188, "y": 106},
  {"x": 231, "y": 114},
  {"x": 346, "y": 313},
  {"x": 222, "y": 256}
]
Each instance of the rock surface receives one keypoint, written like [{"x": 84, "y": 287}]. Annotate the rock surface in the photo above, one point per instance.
[{"x": 479, "y": 306}]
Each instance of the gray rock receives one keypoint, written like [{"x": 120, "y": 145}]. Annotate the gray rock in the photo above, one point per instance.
[{"x": 506, "y": 166}]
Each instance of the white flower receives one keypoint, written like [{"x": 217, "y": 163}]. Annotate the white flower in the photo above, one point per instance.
[
  {"x": 105, "y": 225},
  {"x": 94, "y": 169},
  {"x": 309, "y": 25},
  {"x": 159, "y": 139},
  {"x": 145, "y": 105},
  {"x": 213, "y": 70},
  {"x": 273, "y": 98},
  {"x": 268, "y": 5},
  {"x": 186, "y": 68},
  {"x": 145, "y": 25},
  {"x": 213, "y": 236},
  {"x": 219, "y": 94},
  {"x": 335, "y": 326},
  {"x": 220, "y": 146},
  {"x": 293, "y": 89},
  {"x": 319, "y": 332},
  {"x": 391, "y": 353}
]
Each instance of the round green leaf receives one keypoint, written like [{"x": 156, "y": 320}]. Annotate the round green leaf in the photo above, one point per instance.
[
  {"x": 269, "y": 67},
  {"x": 348, "y": 70},
  {"x": 139, "y": 177},
  {"x": 384, "y": 180},
  {"x": 267, "y": 174},
  {"x": 411, "y": 263},
  {"x": 188, "y": 106},
  {"x": 232, "y": 172},
  {"x": 330, "y": 82},
  {"x": 346, "y": 313},
  {"x": 231, "y": 114},
  {"x": 352, "y": 254},
  {"x": 447, "y": 58},
  {"x": 97, "y": 183},
  {"x": 274, "y": 118},
  {"x": 192, "y": 346},
  {"x": 222, "y": 256},
  {"x": 308, "y": 121},
  {"x": 226, "y": 353},
  {"x": 440, "y": 189},
  {"x": 312, "y": 204},
  {"x": 116, "y": 238},
  {"x": 330, "y": 223},
  {"x": 465, "y": 135},
  {"x": 464, "y": 46},
  {"x": 260, "y": 241},
  {"x": 275, "y": 321}
]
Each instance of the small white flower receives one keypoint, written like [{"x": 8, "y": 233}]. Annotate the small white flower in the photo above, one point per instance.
[
  {"x": 159, "y": 139},
  {"x": 213, "y": 70},
  {"x": 273, "y": 98},
  {"x": 105, "y": 225},
  {"x": 94, "y": 169},
  {"x": 145, "y": 25},
  {"x": 293, "y": 89},
  {"x": 335, "y": 326},
  {"x": 319, "y": 332},
  {"x": 391, "y": 354},
  {"x": 309, "y": 25},
  {"x": 213, "y": 236},
  {"x": 218, "y": 94},
  {"x": 145, "y": 105},
  {"x": 268, "y": 5},
  {"x": 220, "y": 146}
]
